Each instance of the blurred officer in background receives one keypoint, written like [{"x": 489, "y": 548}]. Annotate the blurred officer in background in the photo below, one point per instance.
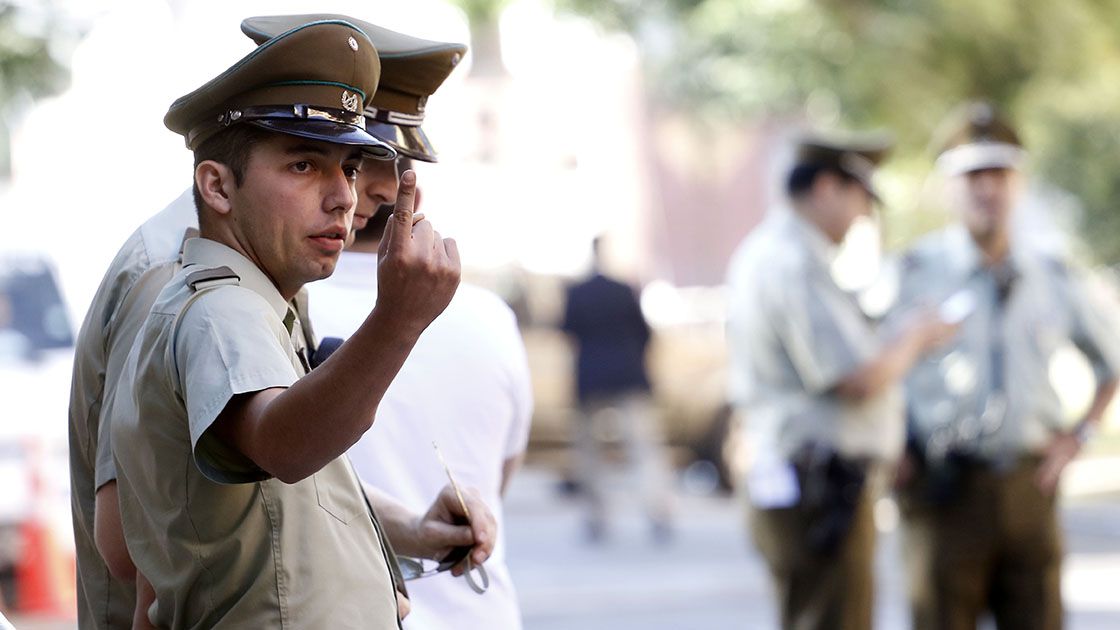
[
  {"x": 821, "y": 390},
  {"x": 604, "y": 318},
  {"x": 987, "y": 439}
]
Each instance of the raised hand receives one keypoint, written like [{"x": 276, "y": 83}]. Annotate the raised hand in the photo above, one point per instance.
[{"x": 417, "y": 270}]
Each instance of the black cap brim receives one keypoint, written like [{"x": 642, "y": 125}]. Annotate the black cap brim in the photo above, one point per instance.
[
  {"x": 407, "y": 140},
  {"x": 329, "y": 131}
]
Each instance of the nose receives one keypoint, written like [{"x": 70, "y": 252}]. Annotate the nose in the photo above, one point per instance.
[
  {"x": 377, "y": 184},
  {"x": 340, "y": 193}
]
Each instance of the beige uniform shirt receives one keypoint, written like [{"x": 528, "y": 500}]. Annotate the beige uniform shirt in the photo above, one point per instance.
[
  {"x": 223, "y": 544},
  {"x": 990, "y": 392},
  {"x": 135, "y": 277},
  {"x": 793, "y": 334}
]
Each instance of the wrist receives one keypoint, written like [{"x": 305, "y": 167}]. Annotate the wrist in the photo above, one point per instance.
[{"x": 1084, "y": 431}]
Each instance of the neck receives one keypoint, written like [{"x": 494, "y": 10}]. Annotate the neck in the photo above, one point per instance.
[
  {"x": 808, "y": 211},
  {"x": 363, "y": 247},
  {"x": 230, "y": 241},
  {"x": 994, "y": 246}
]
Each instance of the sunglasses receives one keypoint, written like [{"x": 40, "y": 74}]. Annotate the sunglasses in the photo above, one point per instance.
[{"x": 416, "y": 568}]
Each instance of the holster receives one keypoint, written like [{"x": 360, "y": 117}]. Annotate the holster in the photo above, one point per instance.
[{"x": 831, "y": 488}]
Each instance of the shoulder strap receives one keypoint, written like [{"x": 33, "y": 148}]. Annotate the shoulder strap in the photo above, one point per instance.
[
  {"x": 212, "y": 277},
  {"x": 201, "y": 282}
]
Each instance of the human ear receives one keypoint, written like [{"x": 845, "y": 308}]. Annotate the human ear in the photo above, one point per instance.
[{"x": 215, "y": 184}]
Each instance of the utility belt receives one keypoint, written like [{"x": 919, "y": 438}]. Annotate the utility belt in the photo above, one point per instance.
[
  {"x": 831, "y": 488},
  {"x": 941, "y": 481}
]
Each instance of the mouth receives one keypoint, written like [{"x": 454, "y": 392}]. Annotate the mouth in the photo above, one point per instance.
[
  {"x": 360, "y": 221},
  {"x": 330, "y": 240}
]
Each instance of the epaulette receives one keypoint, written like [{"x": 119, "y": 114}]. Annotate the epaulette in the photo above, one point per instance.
[{"x": 212, "y": 277}]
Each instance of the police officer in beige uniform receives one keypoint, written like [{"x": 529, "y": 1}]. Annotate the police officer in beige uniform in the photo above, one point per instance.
[
  {"x": 141, "y": 268},
  {"x": 236, "y": 502},
  {"x": 819, "y": 389},
  {"x": 986, "y": 425}
]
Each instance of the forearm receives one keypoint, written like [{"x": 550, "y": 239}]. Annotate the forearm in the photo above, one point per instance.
[
  {"x": 398, "y": 522},
  {"x": 145, "y": 595},
  {"x": 293, "y": 433},
  {"x": 1106, "y": 391},
  {"x": 108, "y": 534},
  {"x": 886, "y": 368}
]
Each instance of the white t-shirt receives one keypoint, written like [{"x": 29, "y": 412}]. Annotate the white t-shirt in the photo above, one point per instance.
[{"x": 466, "y": 387}]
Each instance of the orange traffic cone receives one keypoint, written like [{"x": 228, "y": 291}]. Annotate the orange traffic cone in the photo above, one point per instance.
[{"x": 45, "y": 574}]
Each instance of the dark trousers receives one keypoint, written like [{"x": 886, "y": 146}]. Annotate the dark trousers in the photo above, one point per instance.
[
  {"x": 994, "y": 543},
  {"x": 819, "y": 592}
]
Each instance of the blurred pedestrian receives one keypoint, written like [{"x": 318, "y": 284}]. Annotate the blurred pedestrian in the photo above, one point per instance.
[
  {"x": 820, "y": 389},
  {"x": 604, "y": 318},
  {"x": 988, "y": 441}
]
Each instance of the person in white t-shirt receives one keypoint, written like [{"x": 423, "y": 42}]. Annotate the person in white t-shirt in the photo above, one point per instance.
[{"x": 466, "y": 387}]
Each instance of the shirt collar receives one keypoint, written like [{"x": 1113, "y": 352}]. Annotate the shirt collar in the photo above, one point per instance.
[
  {"x": 209, "y": 253},
  {"x": 966, "y": 255}
]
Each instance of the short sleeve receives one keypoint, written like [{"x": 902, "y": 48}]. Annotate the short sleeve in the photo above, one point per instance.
[
  {"x": 822, "y": 330},
  {"x": 105, "y": 469},
  {"x": 228, "y": 342},
  {"x": 123, "y": 330}
]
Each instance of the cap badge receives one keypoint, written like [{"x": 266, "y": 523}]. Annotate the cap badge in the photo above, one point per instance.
[
  {"x": 353, "y": 43},
  {"x": 351, "y": 102}
]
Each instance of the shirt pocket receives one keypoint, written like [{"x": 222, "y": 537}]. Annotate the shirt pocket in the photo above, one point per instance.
[{"x": 338, "y": 493}]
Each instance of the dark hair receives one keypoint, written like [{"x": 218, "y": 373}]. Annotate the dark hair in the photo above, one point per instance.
[
  {"x": 802, "y": 177},
  {"x": 232, "y": 147}
]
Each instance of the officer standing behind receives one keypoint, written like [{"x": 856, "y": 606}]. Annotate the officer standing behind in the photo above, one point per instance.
[
  {"x": 989, "y": 445},
  {"x": 823, "y": 403},
  {"x": 236, "y": 502}
]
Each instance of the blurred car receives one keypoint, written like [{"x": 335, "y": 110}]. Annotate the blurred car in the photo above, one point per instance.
[{"x": 36, "y": 354}]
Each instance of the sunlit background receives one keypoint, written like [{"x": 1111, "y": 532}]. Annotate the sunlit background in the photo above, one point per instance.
[{"x": 662, "y": 125}]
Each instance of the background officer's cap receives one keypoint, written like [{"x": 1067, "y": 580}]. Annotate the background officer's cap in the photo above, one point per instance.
[
  {"x": 312, "y": 81},
  {"x": 974, "y": 137},
  {"x": 856, "y": 155},
  {"x": 411, "y": 70}
]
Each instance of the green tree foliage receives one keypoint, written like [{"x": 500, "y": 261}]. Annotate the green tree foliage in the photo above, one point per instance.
[
  {"x": 30, "y": 41},
  {"x": 902, "y": 64}
]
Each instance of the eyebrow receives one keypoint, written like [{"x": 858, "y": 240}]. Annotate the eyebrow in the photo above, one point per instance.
[{"x": 302, "y": 148}]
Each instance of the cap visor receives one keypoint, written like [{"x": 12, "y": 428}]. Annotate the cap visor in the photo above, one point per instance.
[
  {"x": 410, "y": 141},
  {"x": 328, "y": 131},
  {"x": 979, "y": 156}
]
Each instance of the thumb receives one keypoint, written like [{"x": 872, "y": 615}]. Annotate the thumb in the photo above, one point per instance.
[{"x": 441, "y": 534}]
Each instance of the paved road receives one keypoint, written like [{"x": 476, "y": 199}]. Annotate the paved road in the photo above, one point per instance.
[{"x": 709, "y": 578}]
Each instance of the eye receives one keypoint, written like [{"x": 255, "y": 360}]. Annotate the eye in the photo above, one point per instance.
[
  {"x": 301, "y": 167},
  {"x": 352, "y": 171}
]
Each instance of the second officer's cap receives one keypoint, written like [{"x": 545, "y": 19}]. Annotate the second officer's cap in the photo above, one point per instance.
[
  {"x": 856, "y": 155},
  {"x": 412, "y": 69},
  {"x": 311, "y": 81},
  {"x": 976, "y": 136}
]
